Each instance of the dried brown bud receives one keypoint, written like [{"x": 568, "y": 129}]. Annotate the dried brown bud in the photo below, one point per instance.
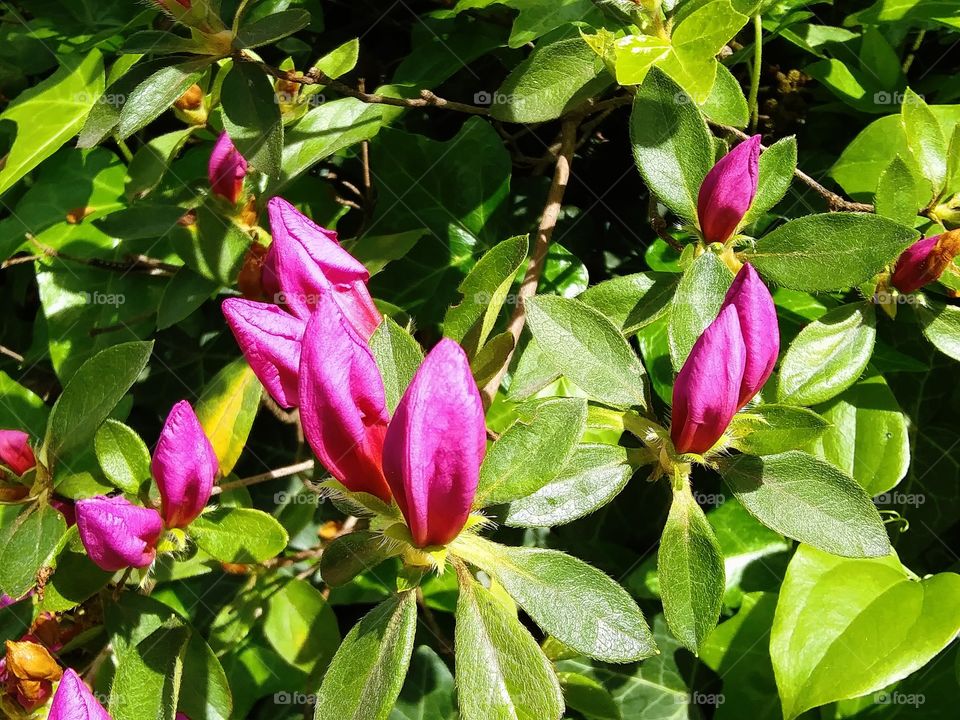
[{"x": 192, "y": 99}]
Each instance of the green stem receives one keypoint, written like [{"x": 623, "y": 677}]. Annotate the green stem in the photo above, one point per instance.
[
  {"x": 124, "y": 149},
  {"x": 757, "y": 69}
]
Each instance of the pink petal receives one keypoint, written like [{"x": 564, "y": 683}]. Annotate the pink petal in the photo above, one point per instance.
[
  {"x": 727, "y": 191},
  {"x": 759, "y": 327},
  {"x": 305, "y": 260},
  {"x": 184, "y": 466},
  {"x": 912, "y": 270},
  {"x": 118, "y": 534},
  {"x": 270, "y": 340},
  {"x": 74, "y": 701},
  {"x": 435, "y": 445},
  {"x": 342, "y": 401},
  {"x": 15, "y": 451},
  {"x": 227, "y": 169},
  {"x": 707, "y": 390}
]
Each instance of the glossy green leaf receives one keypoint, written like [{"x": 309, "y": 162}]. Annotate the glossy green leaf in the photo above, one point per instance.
[
  {"x": 501, "y": 672},
  {"x": 351, "y": 554},
  {"x": 941, "y": 326},
  {"x": 428, "y": 691},
  {"x": 148, "y": 677},
  {"x": 588, "y": 696},
  {"x": 300, "y": 626},
  {"x": 696, "y": 304},
  {"x": 26, "y": 546},
  {"x": 186, "y": 291},
  {"x": 123, "y": 456},
  {"x": 272, "y": 28},
  {"x": 828, "y": 355},
  {"x": 588, "y": 349},
  {"x": 809, "y": 500},
  {"x": 832, "y": 251},
  {"x": 151, "y": 162},
  {"x": 365, "y": 676},
  {"x": 238, "y": 535},
  {"x": 76, "y": 577},
  {"x": 925, "y": 139},
  {"x": 251, "y": 116},
  {"x": 531, "y": 453},
  {"x": 726, "y": 103},
  {"x": 206, "y": 695},
  {"x": 844, "y": 628},
  {"x": 226, "y": 410},
  {"x": 690, "y": 570},
  {"x": 775, "y": 174},
  {"x": 398, "y": 356},
  {"x": 632, "y": 301},
  {"x": 896, "y": 192},
  {"x": 772, "y": 429},
  {"x": 156, "y": 94}
]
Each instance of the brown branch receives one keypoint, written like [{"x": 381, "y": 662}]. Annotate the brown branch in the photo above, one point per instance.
[
  {"x": 834, "y": 202},
  {"x": 315, "y": 76},
  {"x": 659, "y": 225},
  {"x": 133, "y": 263},
  {"x": 264, "y": 477},
  {"x": 538, "y": 258}
]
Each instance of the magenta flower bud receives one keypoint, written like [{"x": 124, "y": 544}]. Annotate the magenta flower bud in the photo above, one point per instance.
[
  {"x": 270, "y": 340},
  {"x": 6, "y": 601},
  {"x": 305, "y": 260},
  {"x": 925, "y": 261},
  {"x": 706, "y": 393},
  {"x": 226, "y": 170},
  {"x": 118, "y": 534},
  {"x": 727, "y": 191},
  {"x": 74, "y": 701},
  {"x": 759, "y": 327},
  {"x": 343, "y": 407},
  {"x": 15, "y": 451},
  {"x": 66, "y": 508},
  {"x": 184, "y": 466},
  {"x": 435, "y": 445}
]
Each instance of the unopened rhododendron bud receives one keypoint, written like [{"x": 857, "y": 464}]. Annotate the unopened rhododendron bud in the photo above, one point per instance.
[
  {"x": 74, "y": 701},
  {"x": 184, "y": 467},
  {"x": 306, "y": 260},
  {"x": 728, "y": 365},
  {"x": 925, "y": 261},
  {"x": 435, "y": 445},
  {"x": 226, "y": 170},
  {"x": 343, "y": 405},
  {"x": 15, "y": 452},
  {"x": 118, "y": 534},
  {"x": 30, "y": 672},
  {"x": 727, "y": 191}
]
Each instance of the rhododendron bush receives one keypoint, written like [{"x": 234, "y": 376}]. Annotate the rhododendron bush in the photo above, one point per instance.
[{"x": 479, "y": 359}]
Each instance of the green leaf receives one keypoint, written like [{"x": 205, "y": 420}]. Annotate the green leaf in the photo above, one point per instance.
[
  {"x": 340, "y": 60},
  {"x": 896, "y": 192},
  {"x": 157, "y": 93},
  {"x": 925, "y": 139},
  {"x": 551, "y": 80},
  {"x": 773, "y": 429},
  {"x": 366, "y": 674},
  {"x": 226, "y": 410},
  {"x": 351, "y": 554},
  {"x": 185, "y": 293},
  {"x": 576, "y": 603},
  {"x": 844, "y": 628},
  {"x": 952, "y": 181},
  {"x": 832, "y": 251},
  {"x": 588, "y": 697},
  {"x": 632, "y": 301},
  {"x": 269, "y": 29},
  {"x": 238, "y": 535},
  {"x": 76, "y": 578},
  {"x": 634, "y": 55},
  {"x": 941, "y": 326},
  {"x": 592, "y": 478},
  {"x": 428, "y": 691},
  {"x": 690, "y": 570},
  {"x": 484, "y": 292},
  {"x": 587, "y": 348},
  {"x": 151, "y": 162},
  {"x": 809, "y": 500},
  {"x": 215, "y": 248},
  {"x": 491, "y": 358},
  {"x": 696, "y": 304},
  {"x": 501, "y": 672},
  {"x": 868, "y": 436},
  {"x": 206, "y": 695},
  {"x": 73, "y": 90},
  {"x": 398, "y": 356},
  {"x": 671, "y": 144},
  {"x": 531, "y": 454},
  {"x": 776, "y": 168},
  {"x": 147, "y": 681},
  {"x": 828, "y": 355},
  {"x": 21, "y": 408},
  {"x": 92, "y": 393},
  {"x": 122, "y": 455},
  {"x": 301, "y": 627},
  {"x": 726, "y": 103},
  {"x": 26, "y": 546},
  {"x": 251, "y": 116}
]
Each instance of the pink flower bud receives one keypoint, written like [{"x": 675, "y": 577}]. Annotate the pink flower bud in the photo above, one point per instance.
[
  {"x": 925, "y": 261},
  {"x": 306, "y": 260},
  {"x": 759, "y": 327},
  {"x": 15, "y": 451},
  {"x": 343, "y": 405},
  {"x": 74, "y": 701},
  {"x": 184, "y": 466},
  {"x": 435, "y": 445},
  {"x": 727, "y": 191},
  {"x": 707, "y": 389},
  {"x": 270, "y": 340},
  {"x": 118, "y": 534},
  {"x": 226, "y": 170},
  {"x": 65, "y": 508}
]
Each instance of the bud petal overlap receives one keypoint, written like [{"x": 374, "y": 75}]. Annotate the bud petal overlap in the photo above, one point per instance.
[
  {"x": 118, "y": 534},
  {"x": 728, "y": 190},
  {"x": 184, "y": 466}
]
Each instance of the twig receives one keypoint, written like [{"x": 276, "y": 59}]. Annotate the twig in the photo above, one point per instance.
[
  {"x": 19, "y": 260},
  {"x": 4, "y": 350},
  {"x": 659, "y": 225},
  {"x": 753, "y": 102},
  {"x": 133, "y": 263},
  {"x": 834, "y": 201},
  {"x": 548, "y": 222},
  {"x": 315, "y": 76},
  {"x": 265, "y": 477},
  {"x": 446, "y": 647}
]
